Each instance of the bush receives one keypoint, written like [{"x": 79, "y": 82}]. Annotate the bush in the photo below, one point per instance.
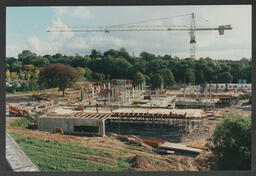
[
  {"x": 245, "y": 97},
  {"x": 21, "y": 123},
  {"x": 231, "y": 144}
]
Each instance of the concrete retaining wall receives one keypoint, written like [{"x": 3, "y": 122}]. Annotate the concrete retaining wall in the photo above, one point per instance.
[
  {"x": 67, "y": 124},
  {"x": 16, "y": 158}
]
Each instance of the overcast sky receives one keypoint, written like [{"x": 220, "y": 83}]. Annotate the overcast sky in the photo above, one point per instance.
[{"x": 27, "y": 26}]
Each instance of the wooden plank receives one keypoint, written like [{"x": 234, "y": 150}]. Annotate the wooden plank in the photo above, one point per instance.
[{"x": 179, "y": 147}]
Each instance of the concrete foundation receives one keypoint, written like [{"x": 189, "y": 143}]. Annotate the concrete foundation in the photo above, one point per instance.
[{"x": 69, "y": 124}]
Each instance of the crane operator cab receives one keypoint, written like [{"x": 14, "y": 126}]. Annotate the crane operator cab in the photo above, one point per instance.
[{"x": 222, "y": 28}]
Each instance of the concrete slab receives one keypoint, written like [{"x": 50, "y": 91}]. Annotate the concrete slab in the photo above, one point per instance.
[
  {"x": 179, "y": 147},
  {"x": 16, "y": 158}
]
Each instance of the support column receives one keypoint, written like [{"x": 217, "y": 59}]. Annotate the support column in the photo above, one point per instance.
[
  {"x": 108, "y": 98},
  {"x": 92, "y": 93},
  {"x": 101, "y": 127},
  {"x": 129, "y": 95},
  {"x": 133, "y": 93},
  {"x": 119, "y": 128}
]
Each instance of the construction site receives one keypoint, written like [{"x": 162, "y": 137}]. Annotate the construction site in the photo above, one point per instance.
[
  {"x": 164, "y": 122},
  {"x": 169, "y": 122}
]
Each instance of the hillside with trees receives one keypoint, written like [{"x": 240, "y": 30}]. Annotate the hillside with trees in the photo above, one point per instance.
[{"x": 119, "y": 64}]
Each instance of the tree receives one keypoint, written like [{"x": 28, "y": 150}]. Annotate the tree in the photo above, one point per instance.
[
  {"x": 95, "y": 53},
  {"x": 190, "y": 76},
  {"x": 167, "y": 77},
  {"x": 98, "y": 76},
  {"x": 138, "y": 79},
  {"x": 58, "y": 75},
  {"x": 14, "y": 75},
  {"x": 156, "y": 65},
  {"x": 121, "y": 68},
  {"x": 147, "y": 79},
  {"x": 37, "y": 71},
  {"x": 246, "y": 73},
  {"x": 225, "y": 77},
  {"x": 147, "y": 56},
  {"x": 16, "y": 66},
  {"x": 156, "y": 81},
  {"x": 27, "y": 75},
  {"x": 236, "y": 70},
  {"x": 111, "y": 52},
  {"x": 8, "y": 74},
  {"x": 231, "y": 144},
  {"x": 80, "y": 61},
  {"x": 22, "y": 75},
  {"x": 29, "y": 67},
  {"x": 123, "y": 52},
  {"x": 225, "y": 68},
  {"x": 10, "y": 60},
  {"x": 40, "y": 61},
  {"x": 25, "y": 56},
  {"x": 81, "y": 71}
]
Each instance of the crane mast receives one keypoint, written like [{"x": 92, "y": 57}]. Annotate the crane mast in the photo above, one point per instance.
[
  {"x": 122, "y": 28},
  {"x": 192, "y": 38}
]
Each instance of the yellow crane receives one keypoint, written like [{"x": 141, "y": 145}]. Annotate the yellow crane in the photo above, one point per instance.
[{"x": 128, "y": 27}]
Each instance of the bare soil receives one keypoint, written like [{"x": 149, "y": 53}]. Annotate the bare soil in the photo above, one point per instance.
[{"x": 140, "y": 158}]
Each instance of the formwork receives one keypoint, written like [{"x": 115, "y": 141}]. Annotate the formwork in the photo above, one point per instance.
[
  {"x": 75, "y": 123},
  {"x": 85, "y": 122}
]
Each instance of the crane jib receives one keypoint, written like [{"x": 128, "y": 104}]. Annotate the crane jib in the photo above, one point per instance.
[{"x": 140, "y": 28}]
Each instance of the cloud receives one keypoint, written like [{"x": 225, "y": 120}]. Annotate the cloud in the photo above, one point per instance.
[
  {"x": 60, "y": 36},
  {"x": 60, "y": 11},
  {"x": 14, "y": 50},
  {"x": 42, "y": 47},
  {"x": 234, "y": 44},
  {"x": 82, "y": 12}
]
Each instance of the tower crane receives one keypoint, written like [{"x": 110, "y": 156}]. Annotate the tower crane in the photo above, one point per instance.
[{"x": 127, "y": 27}]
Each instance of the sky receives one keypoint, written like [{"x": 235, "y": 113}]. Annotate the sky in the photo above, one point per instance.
[{"x": 26, "y": 29}]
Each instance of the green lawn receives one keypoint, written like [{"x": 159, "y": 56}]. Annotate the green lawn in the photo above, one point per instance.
[{"x": 55, "y": 156}]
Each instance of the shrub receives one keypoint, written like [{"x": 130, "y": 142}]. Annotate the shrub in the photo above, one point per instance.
[
  {"x": 231, "y": 144},
  {"x": 244, "y": 97}
]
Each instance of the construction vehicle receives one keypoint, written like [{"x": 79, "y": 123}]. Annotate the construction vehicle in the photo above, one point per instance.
[
  {"x": 131, "y": 27},
  {"x": 13, "y": 111}
]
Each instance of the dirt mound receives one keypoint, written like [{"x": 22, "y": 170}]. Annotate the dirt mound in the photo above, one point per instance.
[
  {"x": 140, "y": 163},
  {"x": 202, "y": 161}
]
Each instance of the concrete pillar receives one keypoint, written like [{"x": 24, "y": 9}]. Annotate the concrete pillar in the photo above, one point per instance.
[
  {"x": 184, "y": 94},
  {"x": 156, "y": 95},
  {"x": 133, "y": 93},
  {"x": 101, "y": 127},
  {"x": 108, "y": 98},
  {"x": 197, "y": 92},
  {"x": 99, "y": 88},
  {"x": 93, "y": 93},
  {"x": 104, "y": 86},
  {"x": 113, "y": 95},
  {"x": 108, "y": 85},
  {"x": 129, "y": 95}
]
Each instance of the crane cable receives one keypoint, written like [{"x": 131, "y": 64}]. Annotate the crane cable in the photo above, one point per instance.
[{"x": 119, "y": 25}]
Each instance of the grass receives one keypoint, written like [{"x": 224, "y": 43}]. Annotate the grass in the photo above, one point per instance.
[
  {"x": 20, "y": 123},
  {"x": 24, "y": 122},
  {"x": 244, "y": 96},
  {"x": 31, "y": 92},
  {"x": 55, "y": 156}
]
